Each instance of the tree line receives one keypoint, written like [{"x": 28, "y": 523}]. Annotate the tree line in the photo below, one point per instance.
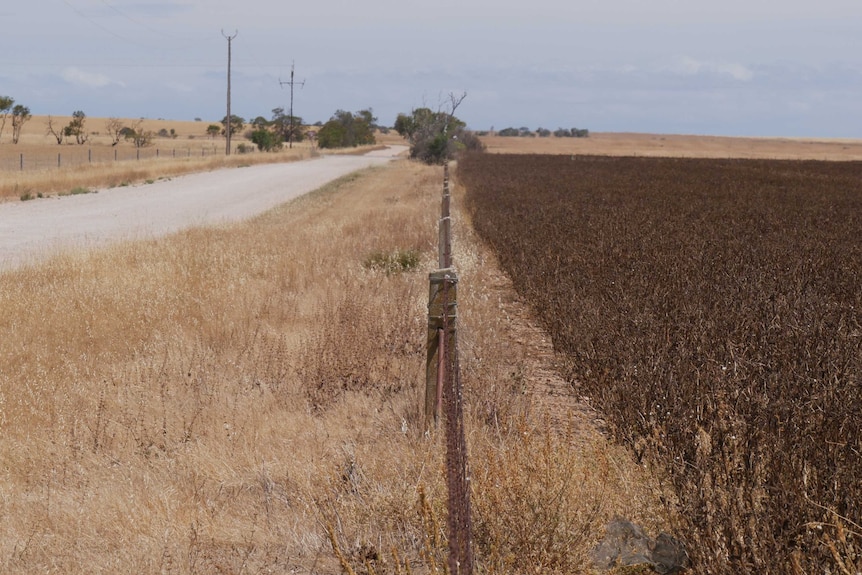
[
  {"x": 434, "y": 136},
  {"x": 524, "y": 132}
]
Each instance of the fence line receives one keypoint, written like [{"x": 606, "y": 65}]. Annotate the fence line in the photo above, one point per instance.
[
  {"x": 79, "y": 156},
  {"x": 443, "y": 391}
]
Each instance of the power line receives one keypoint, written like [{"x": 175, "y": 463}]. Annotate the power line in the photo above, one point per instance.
[
  {"x": 229, "y": 119},
  {"x": 94, "y": 23},
  {"x": 135, "y": 21},
  {"x": 291, "y": 83}
]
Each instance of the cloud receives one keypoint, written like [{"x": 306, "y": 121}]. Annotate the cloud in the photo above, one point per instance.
[
  {"x": 78, "y": 77},
  {"x": 692, "y": 67}
]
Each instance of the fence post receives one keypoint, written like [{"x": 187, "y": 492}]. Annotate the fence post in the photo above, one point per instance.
[
  {"x": 58, "y": 159},
  {"x": 22, "y": 162},
  {"x": 444, "y": 243},
  {"x": 443, "y": 391},
  {"x": 89, "y": 155},
  {"x": 442, "y": 306}
]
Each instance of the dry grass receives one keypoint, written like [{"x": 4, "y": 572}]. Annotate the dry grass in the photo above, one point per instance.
[
  {"x": 215, "y": 401},
  {"x": 681, "y": 146}
]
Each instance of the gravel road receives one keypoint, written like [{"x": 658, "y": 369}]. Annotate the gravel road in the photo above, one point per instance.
[{"x": 32, "y": 230}]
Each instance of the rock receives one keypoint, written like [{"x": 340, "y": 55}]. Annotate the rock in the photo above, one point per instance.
[{"x": 626, "y": 544}]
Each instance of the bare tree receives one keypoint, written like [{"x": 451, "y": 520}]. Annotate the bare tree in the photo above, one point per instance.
[
  {"x": 57, "y": 133},
  {"x": 455, "y": 101},
  {"x": 115, "y": 126}
]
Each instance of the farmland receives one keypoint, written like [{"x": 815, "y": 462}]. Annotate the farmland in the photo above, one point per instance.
[
  {"x": 215, "y": 400},
  {"x": 712, "y": 311}
]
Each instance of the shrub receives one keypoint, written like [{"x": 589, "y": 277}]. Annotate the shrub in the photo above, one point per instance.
[{"x": 266, "y": 140}]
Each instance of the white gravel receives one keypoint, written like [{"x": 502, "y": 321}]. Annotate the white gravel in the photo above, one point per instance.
[{"x": 32, "y": 230}]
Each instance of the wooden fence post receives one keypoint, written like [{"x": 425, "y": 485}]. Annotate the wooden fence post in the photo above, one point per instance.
[{"x": 442, "y": 312}]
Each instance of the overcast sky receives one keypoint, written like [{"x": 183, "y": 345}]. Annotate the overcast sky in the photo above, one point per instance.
[{"x": 728, "y": 67}]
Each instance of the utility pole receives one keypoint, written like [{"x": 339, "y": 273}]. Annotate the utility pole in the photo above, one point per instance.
[
  {"x": 291, "y": 83},
  {"x": 229, "y": 124}
]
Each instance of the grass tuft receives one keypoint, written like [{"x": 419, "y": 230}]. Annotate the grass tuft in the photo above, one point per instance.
[{"x": 392, "y": 262}]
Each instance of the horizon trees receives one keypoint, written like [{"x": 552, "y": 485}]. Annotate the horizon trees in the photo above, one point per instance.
[{"x": 347, "y": 130}]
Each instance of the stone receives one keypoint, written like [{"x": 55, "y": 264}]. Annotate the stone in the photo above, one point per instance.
[{"x": 626, "y": 544}]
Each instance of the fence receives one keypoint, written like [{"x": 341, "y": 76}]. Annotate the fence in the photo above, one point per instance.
[
  {"x": 70, "y": 156},
  {"x": 443, "y": 391}
]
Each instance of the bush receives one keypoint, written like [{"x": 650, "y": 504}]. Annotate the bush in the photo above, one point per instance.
[
  {"x": 266, "y": 140},
  {"x": 436, "y": 137},
  {"x": 346, "y": 130}
]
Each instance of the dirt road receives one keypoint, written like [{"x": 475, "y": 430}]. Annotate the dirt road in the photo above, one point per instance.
[{"x": 31, "y": 230}]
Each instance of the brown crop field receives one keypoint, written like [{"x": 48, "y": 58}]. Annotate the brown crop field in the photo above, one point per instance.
[{"x": 712, "y": 311}]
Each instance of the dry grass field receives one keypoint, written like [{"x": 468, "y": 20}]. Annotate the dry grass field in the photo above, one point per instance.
[
  {"x": 657, "y": 145},
  {"x": 216, "y": 400}
]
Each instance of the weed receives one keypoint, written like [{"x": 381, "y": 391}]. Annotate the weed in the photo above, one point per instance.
[
  {"x": 76, "y": 191},
  {"x": 392, "y": 262}
]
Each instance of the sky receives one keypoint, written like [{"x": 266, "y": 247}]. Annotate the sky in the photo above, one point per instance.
[{"x": 787, "y": 68}]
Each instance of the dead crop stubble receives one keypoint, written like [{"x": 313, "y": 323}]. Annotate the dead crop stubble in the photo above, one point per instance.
[
  {"x": 713, "y": 311},
  {"x": 247, "y": 398}
]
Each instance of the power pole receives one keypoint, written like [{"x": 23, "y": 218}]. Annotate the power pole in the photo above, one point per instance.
[
  {"x": 229, "y": 124},
  {"x": 291, "y": 83}
]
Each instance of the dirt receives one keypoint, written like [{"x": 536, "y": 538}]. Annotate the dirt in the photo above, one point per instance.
[
  {"x": 552, "y": 398},
  {"x": 33, "y": 230}
]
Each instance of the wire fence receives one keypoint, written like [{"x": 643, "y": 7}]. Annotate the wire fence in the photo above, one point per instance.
[
  {"x": 444, "y": 392},
  {"x": 71, "y": 156}
]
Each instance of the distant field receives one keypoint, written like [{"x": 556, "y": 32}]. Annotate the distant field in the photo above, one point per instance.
[
  {"x": 623, "y": 144},
  {"x": 37, "y": 150}
]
